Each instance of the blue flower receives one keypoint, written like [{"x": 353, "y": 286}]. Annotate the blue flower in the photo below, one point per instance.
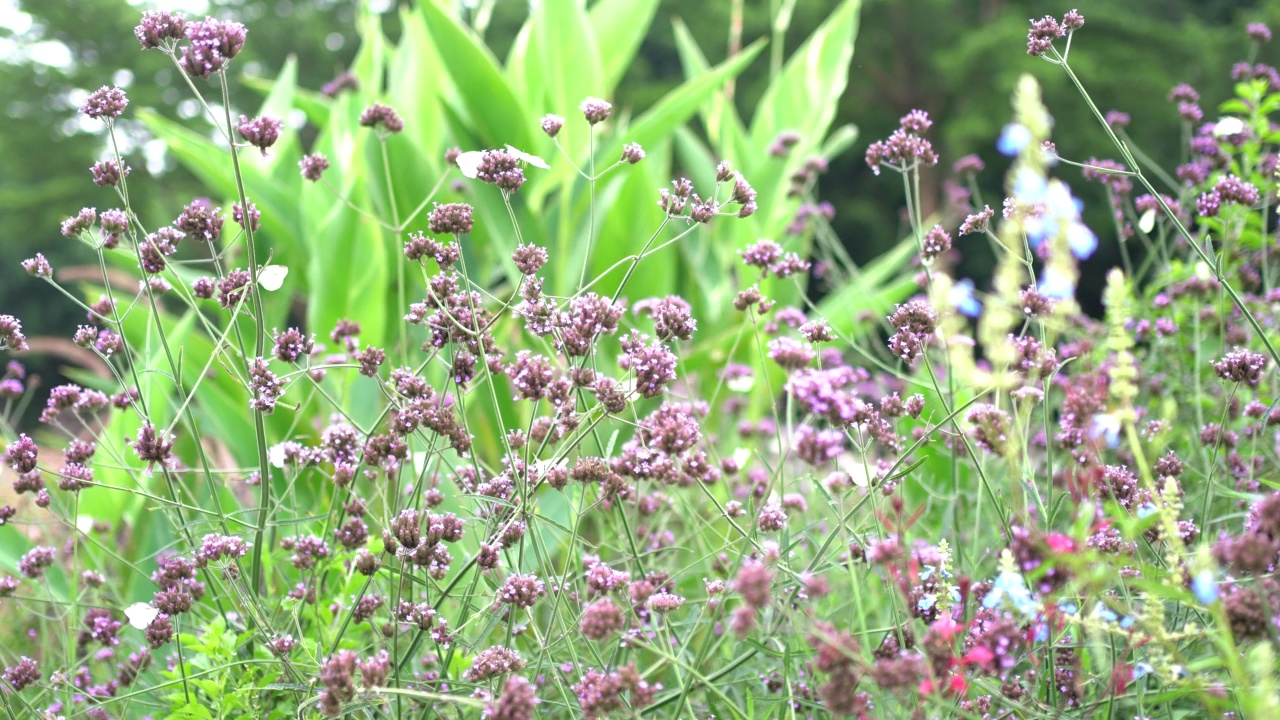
[
  {"x": 1010, "y": 587},
  {"x": 1141, "y": 670},
  {"x": 1146, "y": 510},
  {"x": 1013, "y": 138},
  {"x": 1030, "y": 187},
  {"x": 1106, "y": 425},
  {"x": 1069, "y": 608},
  {"x": 1081, "y": 240},
  {"x": 1056, "y": 285},
  {"x": 926, "y": 602},
  {"x": 1205, "y": 588},
  {"x": 1105, "y": 612},
  {"x": 964, "y": 301}
]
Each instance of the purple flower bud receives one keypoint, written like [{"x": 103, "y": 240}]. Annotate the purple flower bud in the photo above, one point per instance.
[
  {"x": 105, "y": 102},
  {"x": 255, "y": 217},
  {"x": 551, "y": 124},
  {"x": 213, "y": 44},
  {"x": 313, "y": 166},
  {"x": 346, "y": 80},
  {"x": 11, "y": 336},
  {"x": 108, "y": 173},
  {"x": 380, "y": 116},
  {"x": 632, "y": 153},
  {"x": 260, "y": 132},
  {"x": 159, "y": 29},
  {"x": 38, "y": 266},
  {"x": 450, "y": 219},
  {"x": 595, "y": 110}
]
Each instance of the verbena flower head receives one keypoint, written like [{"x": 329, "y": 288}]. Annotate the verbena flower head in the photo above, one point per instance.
[
  {"x": 516, "y": 702},
  {"x": 38, "y": 266},
  {"x": 313, "y": 166},
  {"x": 595, "y": 110},
  {"x": 345, "y": 80},
  {"x": 160, "y": 29},
  {"x": 154, "y": 447},
  {"x": 632, "y": 153},
  {"x": 105, "y": 103},
  {"x": 260, "y": 132},
  {"x": 498, "y": 167},
  {"x": 108, "y": 173},
  {"x": 551, "y": 124},
  {"x": 493, "y": 662},
  {"x": 381, "y": 117},
  {"x": 212, "y": 45},
  {"x": 450, "y": 219},
  {"x": 1258, "y": 33},
  {"x": 905, "y": 149},
  {"x": 199, "y": 221},
  {"x": 1044, "y": 31},
  {"x": 23, "y": 674},
  {"x": 1241, "y": 366}
]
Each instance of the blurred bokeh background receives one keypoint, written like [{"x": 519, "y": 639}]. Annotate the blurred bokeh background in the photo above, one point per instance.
[{"x": 956, "y": 60}]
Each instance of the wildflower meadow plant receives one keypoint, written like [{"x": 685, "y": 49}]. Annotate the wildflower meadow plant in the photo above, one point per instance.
[{"x": 470, "y": 410}]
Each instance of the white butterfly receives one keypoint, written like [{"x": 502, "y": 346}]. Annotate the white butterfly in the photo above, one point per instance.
[
  {"x": 141, "y": 614},
  {"x": 469, "y": 162},
  {"x": 1228, "y": 126},
  {"x": 271, "y": 277}
]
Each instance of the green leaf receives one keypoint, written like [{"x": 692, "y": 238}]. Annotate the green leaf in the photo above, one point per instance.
[
  {"x": 677, "y": 106},
  {"x": 719, "y": 114},
  {"x": 414, "y": 84},
  {"x": 562, "y": 66},
  {"x": 620, "y": 26},
  {"x": 804, "y": 96},
  {"x": 880, "y": 284},
  {"x": 492, "y": 107}
]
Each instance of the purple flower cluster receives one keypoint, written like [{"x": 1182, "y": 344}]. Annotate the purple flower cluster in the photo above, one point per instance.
[{"x": 905, "y": 149}]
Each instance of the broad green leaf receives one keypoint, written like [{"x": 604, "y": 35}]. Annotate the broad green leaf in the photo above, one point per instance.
[
  {"x": 620, "y": 26},
  {"x": 677, "y": 106},
  {"x": 877, "y": 287},
  {"x": 414, "y": 80},
  {"x": 562, "y": 67},
  {"x": 719, "y": 114},
  {"x": 491, "y": 106},
  {"x": 804, "y": 96}
]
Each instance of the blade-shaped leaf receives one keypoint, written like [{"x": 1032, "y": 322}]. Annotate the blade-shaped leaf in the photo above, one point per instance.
[
  {"x": 492, "y": 107},
  {"x": 620, "y": 26}
]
